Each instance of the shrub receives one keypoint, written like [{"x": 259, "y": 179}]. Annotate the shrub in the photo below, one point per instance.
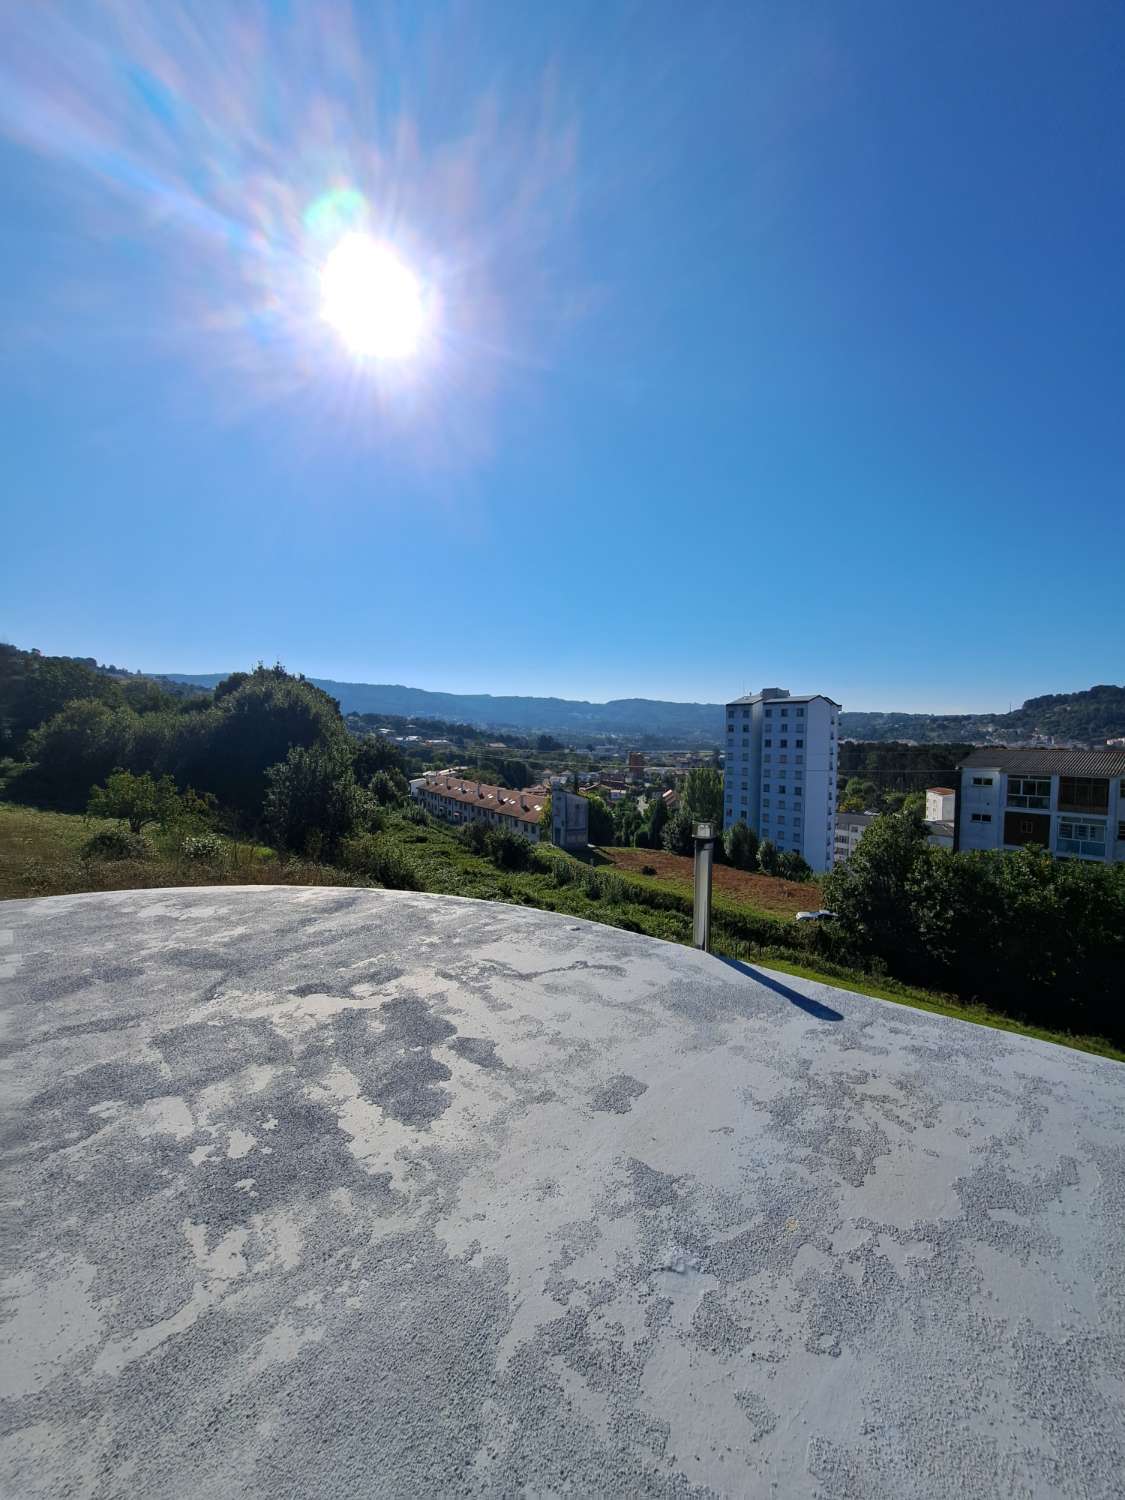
[
  {"x": 768, "y": 857},
  {"x": 740, "y": 844},
  {"x": 792, "y": 866},
  {"x": 142, "y": 800},
  {"x": 115, "y": 843},
  {"x": 388, "y": 787},
  {"x": 312, "y": 800},
  {"x": 368, "y": 854},
  {"x": 677, "y": 837},
  {"x": 203, "y": 846},
  {"x": 506, "y": 850}
]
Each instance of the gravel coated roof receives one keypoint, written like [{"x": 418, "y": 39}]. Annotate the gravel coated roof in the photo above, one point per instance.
[{"x": 340, "y": 1193}]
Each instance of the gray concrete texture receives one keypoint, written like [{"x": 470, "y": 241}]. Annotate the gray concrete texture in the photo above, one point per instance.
[{"x": 355, "y": 1193}]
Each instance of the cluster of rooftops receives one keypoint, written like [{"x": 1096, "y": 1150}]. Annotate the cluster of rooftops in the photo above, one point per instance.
[{"x": 526, "y": 805}]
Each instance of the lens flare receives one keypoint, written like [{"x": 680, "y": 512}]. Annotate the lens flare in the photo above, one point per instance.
[{"x": 372, "y": 299}]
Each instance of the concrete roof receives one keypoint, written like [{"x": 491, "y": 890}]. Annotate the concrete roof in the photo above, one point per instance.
[{"x": 333, "y": 1193}]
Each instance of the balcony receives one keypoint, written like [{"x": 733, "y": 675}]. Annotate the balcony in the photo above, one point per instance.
[{"x": 1084, "y": 794}]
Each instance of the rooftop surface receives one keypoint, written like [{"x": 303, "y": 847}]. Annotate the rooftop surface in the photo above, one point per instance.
[
  {"x": 1031, "y": 761},
  {"x": 336, "y": 1193}
]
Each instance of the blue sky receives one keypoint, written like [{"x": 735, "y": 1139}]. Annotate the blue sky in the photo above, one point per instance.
[{"x": 764, "y": 344}]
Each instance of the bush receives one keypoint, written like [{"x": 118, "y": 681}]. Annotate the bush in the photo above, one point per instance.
[
  {"x": 677, "y": 837},
  {"x": 792, "y": 866},
  {"x": 388, "y": 787},
  {"x": 1042, "y": 939},
  {"x": 370, "y": 855},
  {"x": 506, "y": 850},
  {"x": 768, "y": 857},
  {"x": 115, "y": 843},
  {"x": 740, "y": 844},
  {"x": 203, "y": 846},
  {"x": 312, "y": 800},
  {"x": 141, "y": 800}
]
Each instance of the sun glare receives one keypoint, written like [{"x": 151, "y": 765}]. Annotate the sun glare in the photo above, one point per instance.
[{"x": 372, "y": 299}]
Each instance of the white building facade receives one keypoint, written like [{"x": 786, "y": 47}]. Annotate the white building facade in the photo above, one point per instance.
[
  {"x": 450, "y": 797},
  {"x": 940, "y": 804},
  {"x": 779, "y": 772},
  {"x": 850, "y": 828},
  {"x": 1070, "y": 802}
]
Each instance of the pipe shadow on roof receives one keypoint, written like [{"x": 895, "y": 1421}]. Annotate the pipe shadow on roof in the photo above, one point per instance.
[{"x": 802, "y": 1002}]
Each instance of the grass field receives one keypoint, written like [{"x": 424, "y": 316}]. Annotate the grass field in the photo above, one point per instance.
[
  {"x": 764, "y": 893},
  {"x": 41, "y": 855}
]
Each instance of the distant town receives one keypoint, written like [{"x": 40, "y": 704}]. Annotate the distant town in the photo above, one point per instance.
[{"x": 780, "y": 778}]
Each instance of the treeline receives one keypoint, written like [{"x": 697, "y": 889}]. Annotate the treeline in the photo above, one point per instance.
[
  {"x": 1039, "y": 938},
  {"x": 875, "y": 776},
  {"x": 700, "y": 800},
  {"x": 458, "y": 733},
  {"x": 266, "y": 750}
]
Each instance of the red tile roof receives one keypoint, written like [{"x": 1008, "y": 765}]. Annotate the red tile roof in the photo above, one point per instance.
[{"x": 526, "y": 805}]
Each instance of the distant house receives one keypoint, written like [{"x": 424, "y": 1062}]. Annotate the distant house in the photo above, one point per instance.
[
  {"x": 1070, "y": 802},
  {"x": 850, "y": 828},
  {"x": 457, "y": 801},
  {"x": 939, "y": 803}
]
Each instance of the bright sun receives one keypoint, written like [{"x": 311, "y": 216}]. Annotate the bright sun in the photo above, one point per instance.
[{"x": 372, "y": 299}]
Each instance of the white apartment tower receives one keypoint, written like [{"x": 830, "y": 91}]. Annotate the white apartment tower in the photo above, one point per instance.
[{"x": 780, "y": 770}]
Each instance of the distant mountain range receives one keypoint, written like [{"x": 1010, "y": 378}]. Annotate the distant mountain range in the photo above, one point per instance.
[{"x": 1088, "y": 717}]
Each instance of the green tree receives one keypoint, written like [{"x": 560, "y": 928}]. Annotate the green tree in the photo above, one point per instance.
[
  {"x": 601, "y": 820},
  {"x": 253, "y": 728},
  {"x": 793, "y": 866},
  {"x": 388, "y": 787},
  {"x": 913, "y": 803},
  {"x": 374, "y": 752},
  {"x": 141, "y": 801},
  {"x": 859, "y": 795},
  {"x": 768, "y": 857},
  {"x": 741, "y": 845},
  {"x": 871, "y": 893},
  {"x": 34, "y": 689},
  {"x": 677, "y": 835},
  {"x": 701, "y": 796},
  {"x": 657, "y": 822},
  {"x": 78, "y": 747},
  {"x": 312, "y": 801},
  {"x": 626, "y": 822}
]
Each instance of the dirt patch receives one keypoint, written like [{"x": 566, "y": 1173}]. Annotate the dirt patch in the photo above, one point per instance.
[{"x": 763, "y": 892}]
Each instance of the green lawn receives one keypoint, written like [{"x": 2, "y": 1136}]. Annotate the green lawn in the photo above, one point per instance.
[{"x": 41, "y": 855}]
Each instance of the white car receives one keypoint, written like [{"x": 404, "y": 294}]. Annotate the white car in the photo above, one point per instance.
[{"x": 815, "y": 916}]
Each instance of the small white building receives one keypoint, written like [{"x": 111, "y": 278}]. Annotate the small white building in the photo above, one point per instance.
[
  {"x": 940, "y": 803},
  {"x": 850, "y": 828}
]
